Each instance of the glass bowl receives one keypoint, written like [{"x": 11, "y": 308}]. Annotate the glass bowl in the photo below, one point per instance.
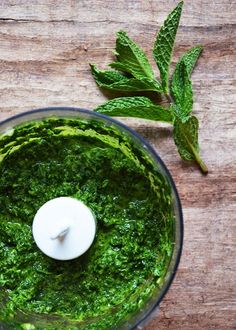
[{"x": 140, "y": 317}]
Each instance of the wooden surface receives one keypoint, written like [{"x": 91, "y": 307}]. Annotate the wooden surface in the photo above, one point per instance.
[{"x": 45, "y": 48}]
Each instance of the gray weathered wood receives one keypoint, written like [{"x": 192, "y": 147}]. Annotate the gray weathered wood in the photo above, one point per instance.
[{"x": 45, "y": 48}]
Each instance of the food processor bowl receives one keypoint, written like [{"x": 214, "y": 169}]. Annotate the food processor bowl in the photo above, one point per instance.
[{"x": 138, "y": 318}]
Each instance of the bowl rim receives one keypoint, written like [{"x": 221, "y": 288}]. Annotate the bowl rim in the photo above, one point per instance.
[{"x": 157, "y": 159}]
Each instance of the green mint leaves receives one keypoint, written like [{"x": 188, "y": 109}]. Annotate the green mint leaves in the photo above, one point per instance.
[
  {"x": 136, "y": 71},
  {"x": 137, "y": 106},
  {"x": 116, "y": 81},
  {"x": 186, "y": 140},
  {"x": 164, "y": 44},
  {"x": 132, "y": 72},
  {"x": 190, "y": 59},
  {"x": 131, "y": 58},
  {"x": 181, "y": 86},
  {"x": 181, "y": 90}
]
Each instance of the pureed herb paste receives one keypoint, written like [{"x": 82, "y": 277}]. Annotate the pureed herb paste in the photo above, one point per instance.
[{"x": 131, "y": 200}]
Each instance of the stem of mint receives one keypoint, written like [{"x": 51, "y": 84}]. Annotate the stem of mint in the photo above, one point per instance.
[{"x": 200, "y": 162}]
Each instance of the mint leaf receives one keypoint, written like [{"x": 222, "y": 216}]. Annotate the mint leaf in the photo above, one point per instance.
[
  {"x": 186, "y": 137},
  {"x": 181, "y": 90},
  {"x": 186, "y": 140},
  {"x": 190, "y": 59},
  {"x": 106, "y": 77},
  {"x": 137, "y": 106},
  {"x": 164, "y": 44},
  {"x": 181, "y": 86},
  {"x": 131, "y": 58},
  {"x": 134, "y": 85},
  {"x": 116, "y": 81}
]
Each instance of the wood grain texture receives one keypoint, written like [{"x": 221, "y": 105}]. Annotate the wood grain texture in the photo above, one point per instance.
[{"x": 45, "y": 48}]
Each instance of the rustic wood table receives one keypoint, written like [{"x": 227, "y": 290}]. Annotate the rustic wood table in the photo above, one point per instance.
[{"x": 45, "y": 48}]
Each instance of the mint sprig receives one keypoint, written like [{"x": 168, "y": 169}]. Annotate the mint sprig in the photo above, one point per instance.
[{"x": 132, "y": 72}]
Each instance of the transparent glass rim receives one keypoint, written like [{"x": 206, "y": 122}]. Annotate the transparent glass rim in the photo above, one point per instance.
[{"x": 156, "y": 158}]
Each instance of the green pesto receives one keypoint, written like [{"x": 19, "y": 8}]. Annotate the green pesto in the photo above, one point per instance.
[{"x": 132, "y": 204}]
